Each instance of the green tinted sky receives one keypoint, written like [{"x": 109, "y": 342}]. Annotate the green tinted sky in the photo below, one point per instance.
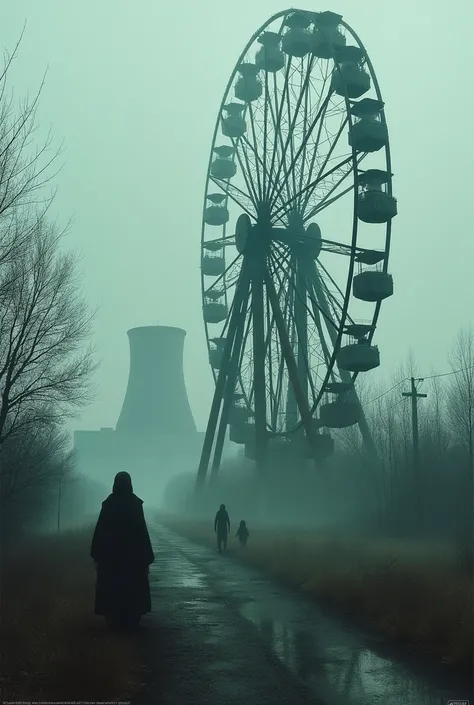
[{"x": 134, "y": 87}]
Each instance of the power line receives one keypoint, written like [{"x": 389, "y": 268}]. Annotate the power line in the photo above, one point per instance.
[
  {"x": 454, "y": 372},
  {"x": 444, "y": 374},
  {"x": 397, "y": 403},
  {"x": 387, "y": 391}
]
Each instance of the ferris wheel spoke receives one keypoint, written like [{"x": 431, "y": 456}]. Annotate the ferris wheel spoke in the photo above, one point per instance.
[
  {"x": 315, "y": 149},
  {"x": 299, "y": 151},
  {"x": 274, "y": 352},
  {"x": 277, "y": 139},
  {"x": 298, "y": 296},
  {"x": 292, "y": 123},
  {"x": 300, "y": 341},
  {"x": 259, "y": 372},
  {"x": 271, "y": 390},
  {"x": 269, "y": 329},
  {"x": 305, "y": 120},
  {"x": 324, "y": 314},
  {"x": 284, "y": 210},
  {"x": 258, "y": 159},
  {"x": 255, "y": 151},
  {"x": 321, "y": 266},
  {"x": 334, "y": 330},
  {"x": 265, "y": 134},
  {"x": 314, "y": 146},
  {"x": 280, "y": 360},
  {"x": 345, "y": 376},
  {"x": 336, "y": 307},
  {"x": 277, "y": 408},
  {"x": 247, "y": 362},
  {"x": 287, "y": 351},
  {"x": 291, "y": 128},
  {"x": 289, "y": 276},
  {"x": 338, "y": 248},
  {"x": 279, "y": 107},
  {"x": 309, "y": 191},
  {"x": 301, "y": 346},
  {"x": 288, "y": 305},
  {"x": 319, "y": 327},
  {"x": 230, "y": 190},
  {"x": 327, "y": 201},
  {"x": 237, "y": 283},
  {"x": 242, "y": 369},
  {"x": 233, "y": 274},
  {"x": 221, "y": 277},
  {"x": 246, "y": 172}
]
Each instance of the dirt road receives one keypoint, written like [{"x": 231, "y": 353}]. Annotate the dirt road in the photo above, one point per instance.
[{"x": 222, "y": 634}]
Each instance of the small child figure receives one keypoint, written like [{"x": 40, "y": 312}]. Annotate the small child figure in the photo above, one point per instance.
[{"x": 243, "y": 534}]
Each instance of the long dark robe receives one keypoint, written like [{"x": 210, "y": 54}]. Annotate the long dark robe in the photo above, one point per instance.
[{"x": 122, "y": 548}]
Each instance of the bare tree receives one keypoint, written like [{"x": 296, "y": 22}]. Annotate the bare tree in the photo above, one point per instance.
[
  {"x": 26, "y": 165},
  {"x": 460, "y": 398},
  {"x": 45, "y": 368},
  {"x": 33, "y": 459}
]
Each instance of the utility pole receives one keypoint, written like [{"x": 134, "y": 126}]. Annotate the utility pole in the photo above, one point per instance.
[{"x": 414, "y": 394}]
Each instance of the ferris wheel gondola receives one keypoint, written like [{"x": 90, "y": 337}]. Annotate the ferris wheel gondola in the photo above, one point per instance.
[{"x": 295, "y": 238}]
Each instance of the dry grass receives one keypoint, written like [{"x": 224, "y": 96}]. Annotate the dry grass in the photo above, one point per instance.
[
  {"x": 416, "y": 594},
  {"x": 53, "y": 646}
]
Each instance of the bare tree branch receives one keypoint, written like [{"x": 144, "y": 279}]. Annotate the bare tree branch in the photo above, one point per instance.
[{"x": 45, "y": 326}]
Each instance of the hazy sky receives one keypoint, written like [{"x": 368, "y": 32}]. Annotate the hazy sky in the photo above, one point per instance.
[{"x": 134, "y": 87}]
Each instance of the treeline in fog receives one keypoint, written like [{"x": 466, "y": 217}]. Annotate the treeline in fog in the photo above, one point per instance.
[
  {"x": 45, "y": 327},
  {"x": 435, "y": 497},
  {"x": 354, "y": 488}
]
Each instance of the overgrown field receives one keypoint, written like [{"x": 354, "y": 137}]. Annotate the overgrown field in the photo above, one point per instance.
[
  {"x": 417, "y": 594},
  {"x": 53, "y": 646}
]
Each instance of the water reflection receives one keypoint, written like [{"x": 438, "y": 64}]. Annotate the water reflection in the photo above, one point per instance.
[
  {"x": 305, "y": 655},
  {"x": 334, "y": 669}
]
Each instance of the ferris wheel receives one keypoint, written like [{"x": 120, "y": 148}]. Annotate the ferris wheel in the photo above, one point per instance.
[{"x": 295, "y": 239}]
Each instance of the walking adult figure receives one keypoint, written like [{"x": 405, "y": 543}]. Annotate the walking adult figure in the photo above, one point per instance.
[
  {"x": 121, "y": 549},
  {"x": 222, "y": 527}
]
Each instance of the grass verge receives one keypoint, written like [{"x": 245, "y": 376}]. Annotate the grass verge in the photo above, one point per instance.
[
  {"x": 53, "y": 646},
  {"x": 416, "y": 594}
]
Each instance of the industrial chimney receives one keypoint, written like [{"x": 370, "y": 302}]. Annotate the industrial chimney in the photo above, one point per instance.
[{"x": 156, "y": 402}]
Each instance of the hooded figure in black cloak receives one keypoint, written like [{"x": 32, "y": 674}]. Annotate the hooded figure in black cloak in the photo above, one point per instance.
[{"x": 122, "y": 550}]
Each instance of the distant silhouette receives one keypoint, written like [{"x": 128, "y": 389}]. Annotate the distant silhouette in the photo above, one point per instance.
[
  {"x": 222, "y": 527},
  {"x": 242, "y": 533},
  {"x": 122, "y": 550}
]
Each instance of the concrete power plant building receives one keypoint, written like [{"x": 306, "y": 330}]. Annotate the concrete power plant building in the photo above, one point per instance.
[{"x": 155, "y": 437}]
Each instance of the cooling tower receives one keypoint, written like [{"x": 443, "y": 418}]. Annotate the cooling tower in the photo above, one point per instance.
[{"x": 156, "y": 402}]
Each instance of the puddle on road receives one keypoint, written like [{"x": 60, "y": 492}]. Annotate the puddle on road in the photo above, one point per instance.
[
  {"x": 185, "y": 578},
  {"x": 192, "y": 582},
  {"x": 357, "y": 675}
]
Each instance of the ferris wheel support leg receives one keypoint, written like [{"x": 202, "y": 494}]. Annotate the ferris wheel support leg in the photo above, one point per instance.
[
  {"x": 229, "y": 388},
  {"x": 259, "y": 376},
  {"x": 241, "y": 294},
  {"x": 302, "y": 402},
  {"x": 301, "y": 319}
]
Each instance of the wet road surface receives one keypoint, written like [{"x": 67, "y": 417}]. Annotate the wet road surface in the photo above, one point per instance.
[{"x": 226, "y": 635}]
